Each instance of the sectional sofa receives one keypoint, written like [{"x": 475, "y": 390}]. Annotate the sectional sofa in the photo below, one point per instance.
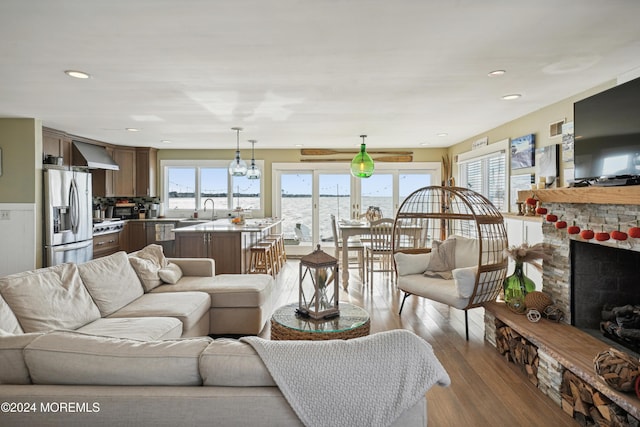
[{"x": 110, "y": 343}]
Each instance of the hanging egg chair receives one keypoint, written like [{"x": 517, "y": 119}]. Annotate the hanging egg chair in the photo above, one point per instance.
[{"x": 448, "y": 245}]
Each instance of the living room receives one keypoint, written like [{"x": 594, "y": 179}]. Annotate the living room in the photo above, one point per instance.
[{"x": 472, "y": 364}]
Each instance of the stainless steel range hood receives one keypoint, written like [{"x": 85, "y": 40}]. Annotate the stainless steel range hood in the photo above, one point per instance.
[{"x": 93, "y": 156}]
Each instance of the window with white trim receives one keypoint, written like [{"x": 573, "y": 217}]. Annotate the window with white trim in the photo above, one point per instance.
[
  {"x": 485, "y": 171},
  {"x": 187, "y": 184}
]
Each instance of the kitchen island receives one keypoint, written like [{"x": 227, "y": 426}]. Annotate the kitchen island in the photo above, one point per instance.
[{"x": 228, "y": 244}]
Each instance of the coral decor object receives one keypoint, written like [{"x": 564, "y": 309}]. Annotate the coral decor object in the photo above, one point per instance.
[
  {"x": 634, "y": 232},
  {"x": 587, "y": 234},
  {"x": 531, "y": 201},
  {"x": 619, "y": 235},
  {"x": 551, "y": 218},
  {"x": 561, "y": 224},
  {"x": 574, "y": 229},
  {"x": 541, "y": 211},
  {"x": 602, "y": 236}
]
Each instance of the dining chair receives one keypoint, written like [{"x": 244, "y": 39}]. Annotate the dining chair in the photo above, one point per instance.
[
  {"x": 379, "y": 250},
  {"x": 352, "y": 246}
]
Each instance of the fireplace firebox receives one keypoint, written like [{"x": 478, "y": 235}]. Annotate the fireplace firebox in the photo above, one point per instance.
[{"x": 605, "y": 292}]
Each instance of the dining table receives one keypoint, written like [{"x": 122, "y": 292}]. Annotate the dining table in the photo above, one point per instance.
[{"x": 349, "y": 229}]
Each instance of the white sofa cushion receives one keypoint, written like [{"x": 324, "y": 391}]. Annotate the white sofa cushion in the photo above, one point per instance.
[
  {"x": 49, "y": 298},
  {"x": 8, "y": 321},
  {"x": 231, "y": 363},
  {"x": 411, "y": 263},
  {"x": 466, "y": 251},
  {"x": 228, "y": 290},
  {"x": 433, "y": 288},
  {"x": 13, "y": 369},
  {"x": 69, "y": 357},
  {"x": 136, "y": 328},
  {"x": 111, "y": 281},
  {"x": 188, "y": 307},
  {"x": 465, "y": 280}
]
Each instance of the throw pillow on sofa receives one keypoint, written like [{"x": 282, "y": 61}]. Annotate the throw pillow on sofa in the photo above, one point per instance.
[
  {"x": 442, "y": 259},
  {"x": 111, "y": 281},
  {"x": 49, "y": 298},
  {"x": 147, "y": 262},
  {"x": 170, "y": 274}
]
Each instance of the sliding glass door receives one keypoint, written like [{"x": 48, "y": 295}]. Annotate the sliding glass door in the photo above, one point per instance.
[{"x": 306, "y": 198}]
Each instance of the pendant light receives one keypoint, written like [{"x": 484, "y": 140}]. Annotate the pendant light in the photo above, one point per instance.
[
  {"x": 253, "y": 172},
  {"x": 237, "y": 167},
  {"x": 362, "y": 163}
]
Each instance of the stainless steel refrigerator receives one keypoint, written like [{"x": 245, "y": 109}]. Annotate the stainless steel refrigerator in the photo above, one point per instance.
[{"x": 68, "y": 231}]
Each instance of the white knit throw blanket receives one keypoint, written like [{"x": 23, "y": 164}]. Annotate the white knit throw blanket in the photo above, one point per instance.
[{"x": 366, "y": 381}]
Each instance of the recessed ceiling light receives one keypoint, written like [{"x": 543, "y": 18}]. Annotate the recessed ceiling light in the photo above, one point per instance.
[
  {"x": 299, "y": 145},
  {"x": 496, "y": 73},
  {"x": 165, "y": 141},
  {"x": 424, "y": 144},
  {"x": 443, "y": 134},
  {"x": 77, "y": 74},
  {"x": 511, "y": 96},
  {"x": 133, "y": 129}
]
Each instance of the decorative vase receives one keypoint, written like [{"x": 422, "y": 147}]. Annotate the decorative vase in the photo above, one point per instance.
[
  {"x": 374, "y": 213},
  {"x": 516, "y": 287}
]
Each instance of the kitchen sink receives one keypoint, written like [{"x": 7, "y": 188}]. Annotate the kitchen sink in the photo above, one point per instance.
[{"x": 192, "y": 221}]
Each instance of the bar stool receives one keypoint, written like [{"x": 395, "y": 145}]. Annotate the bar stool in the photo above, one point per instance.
[
  {"x": 260, "y": 262},
  {"x": 280, "y": 255},
  {"x": 270, "y": 255}
]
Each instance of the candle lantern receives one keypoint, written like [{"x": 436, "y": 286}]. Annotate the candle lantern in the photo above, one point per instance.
[{"x": 318, "y": 290}]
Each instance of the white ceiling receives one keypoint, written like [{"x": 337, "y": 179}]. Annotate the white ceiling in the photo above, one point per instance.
[{"x": 312, "y": 72}]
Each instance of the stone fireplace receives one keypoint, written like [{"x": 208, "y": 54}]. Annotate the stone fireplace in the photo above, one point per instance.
[{"x": 604, "y": 270}]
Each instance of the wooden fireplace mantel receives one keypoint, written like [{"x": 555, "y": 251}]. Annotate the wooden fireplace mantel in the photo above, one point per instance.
[{"x": 623, "y": 195}]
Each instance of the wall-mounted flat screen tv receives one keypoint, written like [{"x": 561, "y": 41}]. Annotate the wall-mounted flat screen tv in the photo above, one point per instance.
[{"x": 607, "y": 133}]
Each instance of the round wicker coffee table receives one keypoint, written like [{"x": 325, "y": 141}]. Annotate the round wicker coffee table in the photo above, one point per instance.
[{"x": 352, "y": 322}]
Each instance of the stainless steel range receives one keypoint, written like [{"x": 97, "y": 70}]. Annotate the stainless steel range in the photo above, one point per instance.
[{"x": 107, "y": 226}]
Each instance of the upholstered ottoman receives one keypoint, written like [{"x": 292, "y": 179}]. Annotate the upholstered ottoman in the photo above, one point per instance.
[{"x": 240, "y": 303}]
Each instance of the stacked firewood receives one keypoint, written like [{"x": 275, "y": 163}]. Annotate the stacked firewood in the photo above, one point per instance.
[
  {"x": 589, "y": 407},
  {"x": 518, "y": 350}
]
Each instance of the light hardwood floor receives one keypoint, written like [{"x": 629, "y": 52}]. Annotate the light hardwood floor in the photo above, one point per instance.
[{"x": 484, "y": 391}]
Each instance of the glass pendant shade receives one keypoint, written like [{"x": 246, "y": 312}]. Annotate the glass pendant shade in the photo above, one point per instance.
[
  {"x": 362, "y": 163},
  {"x": 237, "y": 167},
  {"x": 253, "y": 172}
]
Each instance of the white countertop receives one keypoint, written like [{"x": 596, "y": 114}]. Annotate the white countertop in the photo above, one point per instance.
[{"x": 225, "y": 225}]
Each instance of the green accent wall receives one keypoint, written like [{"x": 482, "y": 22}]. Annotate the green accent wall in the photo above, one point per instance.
[{"x": 21, "y": 144}]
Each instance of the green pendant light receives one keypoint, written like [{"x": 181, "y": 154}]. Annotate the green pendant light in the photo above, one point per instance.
[{"x": 362, "y": 163}]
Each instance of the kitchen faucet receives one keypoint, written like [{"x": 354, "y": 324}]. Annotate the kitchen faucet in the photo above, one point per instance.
[{"x": 213, "y": 208}]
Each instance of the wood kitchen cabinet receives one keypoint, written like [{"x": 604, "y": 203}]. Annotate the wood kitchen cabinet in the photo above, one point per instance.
[
  {"x": 106, "y": 244},
  {"x": 124, "y": 180},
  {"x": 225, "y": 248},
  {"x": 136, "y": 236},
  {"x": 56, "y": 143},
  {"x": 146, "y": 166}
]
